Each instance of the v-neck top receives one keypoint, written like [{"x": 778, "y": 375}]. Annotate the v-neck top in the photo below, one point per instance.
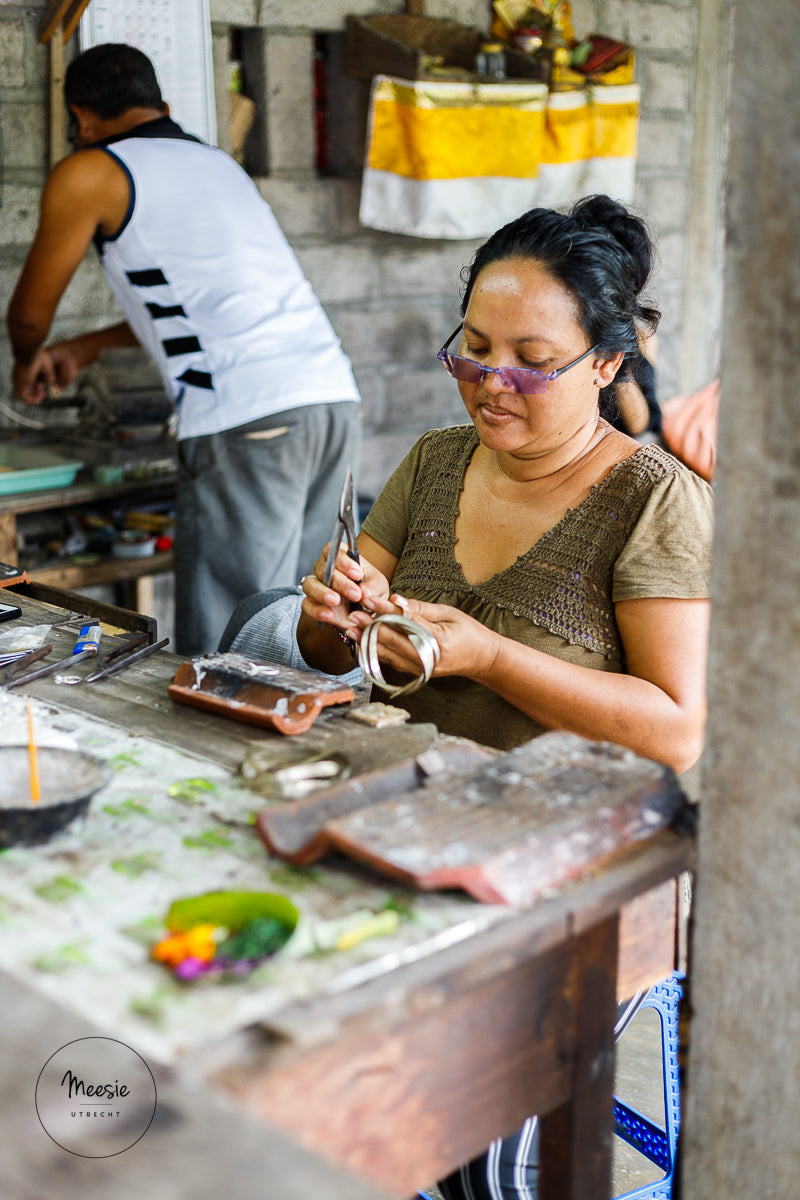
[{"x": 645, "y": 530}]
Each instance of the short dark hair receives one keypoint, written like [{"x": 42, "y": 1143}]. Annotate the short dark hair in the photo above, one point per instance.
[
  {"x": 603, "y": 256},
  {"x": 110, "y": 79}
]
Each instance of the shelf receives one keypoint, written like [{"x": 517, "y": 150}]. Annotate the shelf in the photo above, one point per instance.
[{"x": 109, "y": 570}]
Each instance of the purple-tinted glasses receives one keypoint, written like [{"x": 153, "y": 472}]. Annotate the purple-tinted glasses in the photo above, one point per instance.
[{"x": 516, "y": 379}]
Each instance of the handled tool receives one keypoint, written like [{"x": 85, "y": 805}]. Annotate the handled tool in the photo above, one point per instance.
[
  {"x": 51, "y": 668},
  {"x": 125, "y": 648},
  {"x": 32, "y": 656},
  {"x": 344, "y": 526},
  {"x": 122, "y": 663}
]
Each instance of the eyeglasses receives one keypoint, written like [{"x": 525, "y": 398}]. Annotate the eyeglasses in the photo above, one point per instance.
[{"x": 516, "y": 379}]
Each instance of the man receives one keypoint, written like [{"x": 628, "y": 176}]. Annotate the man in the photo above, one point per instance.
[{"x": 268, "y": 409}]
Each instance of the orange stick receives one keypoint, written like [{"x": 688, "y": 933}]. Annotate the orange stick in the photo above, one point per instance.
[{"x": 33, "y": 758}]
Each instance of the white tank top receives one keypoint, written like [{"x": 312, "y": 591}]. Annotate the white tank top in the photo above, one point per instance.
[{"x": 207, "y": 281}]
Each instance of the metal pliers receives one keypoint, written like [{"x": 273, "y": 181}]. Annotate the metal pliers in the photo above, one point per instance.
[{"x": 345, "y": 527}]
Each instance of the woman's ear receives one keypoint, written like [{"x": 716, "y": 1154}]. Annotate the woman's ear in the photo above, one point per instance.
[{"x": 606, "y": 369}]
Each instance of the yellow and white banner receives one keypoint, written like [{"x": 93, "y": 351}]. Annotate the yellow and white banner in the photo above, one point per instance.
[{"x": 458, "y": 160}]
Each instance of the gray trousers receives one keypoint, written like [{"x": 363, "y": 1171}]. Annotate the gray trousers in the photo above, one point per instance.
[{"x": 255, "y": 506}]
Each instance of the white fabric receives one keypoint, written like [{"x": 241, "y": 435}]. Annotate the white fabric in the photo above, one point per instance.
[{"x": 262, "y": 335}]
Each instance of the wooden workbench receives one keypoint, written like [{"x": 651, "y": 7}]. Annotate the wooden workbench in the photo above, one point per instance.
[{"x": 396, "y": 1060}]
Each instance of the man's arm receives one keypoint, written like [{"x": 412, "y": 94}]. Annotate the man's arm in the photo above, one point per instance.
[{"x": 84, "y": 192}]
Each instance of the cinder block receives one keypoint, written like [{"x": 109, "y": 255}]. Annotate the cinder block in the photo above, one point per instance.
[
  {"x": 310, "y": 14},
  {"x": 303, "y": 207},
  {"x": 12, "y": 54},
  {"x": 388, "y": 336},
  {"x": 24, "y": 137},
  {"x": 666, "y": 85},
  {"x": 667, "y": 203},
  {"x": 88, "y": 294},
  {"x": 20, "y": 214},
  {"x": 664, "y": 143},
  {"x": 421, "y": 399},
  {"x": 652, "y": 26},
  {"x": 289, "y": 71},
  {"x": 421, "y": 268},
  {"x": 339, "y": 278},
  {"x": 234, "y": 12}
]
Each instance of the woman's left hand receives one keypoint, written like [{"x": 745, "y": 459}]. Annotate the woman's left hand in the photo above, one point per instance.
[{"x": 466, "y": 647}]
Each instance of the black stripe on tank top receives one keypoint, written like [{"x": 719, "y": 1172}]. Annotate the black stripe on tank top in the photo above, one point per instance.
[
  {"x": 153, "y": 277},
  {"x": 181, "y": 345},
  {"x": 198, "y": 379},
  {"x": 158, "y": 311}
]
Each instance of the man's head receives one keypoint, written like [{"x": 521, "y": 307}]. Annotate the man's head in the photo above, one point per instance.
[{"x": 111, "y": 79}]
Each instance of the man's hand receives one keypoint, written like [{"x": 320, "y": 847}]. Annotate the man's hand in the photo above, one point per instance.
[{"x": 52, "y": 369}]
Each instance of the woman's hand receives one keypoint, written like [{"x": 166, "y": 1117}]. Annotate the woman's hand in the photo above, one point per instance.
[
  {"x": 465, "y": 646},
  {"x": 352, "y": 583}
]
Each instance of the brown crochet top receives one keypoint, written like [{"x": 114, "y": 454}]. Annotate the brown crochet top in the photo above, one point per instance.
[{"x": 644, "y": 530}]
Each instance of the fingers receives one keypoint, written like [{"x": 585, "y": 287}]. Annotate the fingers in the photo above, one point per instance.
[{"x": 331, "y": 602}]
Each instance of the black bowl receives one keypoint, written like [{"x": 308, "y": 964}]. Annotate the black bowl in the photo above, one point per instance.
[{"x": 67, "y": 781}]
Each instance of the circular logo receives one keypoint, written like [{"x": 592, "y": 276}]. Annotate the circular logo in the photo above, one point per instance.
[{"x": 95, "y": 1097}]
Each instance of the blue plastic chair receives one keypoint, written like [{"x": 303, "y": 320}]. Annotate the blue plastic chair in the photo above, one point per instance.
[{"x": 657, "y": 1144}]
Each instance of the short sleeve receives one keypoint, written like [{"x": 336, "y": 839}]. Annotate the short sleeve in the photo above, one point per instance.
[
  {"x": 388, "y": 519},
  {"x": 669, "y": 551}
]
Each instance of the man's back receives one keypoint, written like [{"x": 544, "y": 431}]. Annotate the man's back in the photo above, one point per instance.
[{"x": 209, "y": 284}]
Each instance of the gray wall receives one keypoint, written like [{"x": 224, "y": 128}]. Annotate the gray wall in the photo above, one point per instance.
[{"x": 391, "y": 299}]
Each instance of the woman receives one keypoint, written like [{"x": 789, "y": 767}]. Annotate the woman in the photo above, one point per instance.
[{"x": 561, "y": 567}]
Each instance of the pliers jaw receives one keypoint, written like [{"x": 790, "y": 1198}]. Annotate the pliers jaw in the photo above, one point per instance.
[{"x": 344, "y": 527}]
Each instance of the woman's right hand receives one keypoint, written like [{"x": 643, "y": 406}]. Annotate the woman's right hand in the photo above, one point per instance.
[{"x": 352, "y": 583}]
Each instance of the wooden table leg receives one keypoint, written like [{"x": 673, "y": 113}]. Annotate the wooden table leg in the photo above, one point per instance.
[
  {"x": 8, "y": 539},
  {"x": 575, "y": 1139}
]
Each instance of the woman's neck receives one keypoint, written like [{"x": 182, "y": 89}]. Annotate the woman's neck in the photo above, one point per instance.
[{"x": 541, "y": 469}]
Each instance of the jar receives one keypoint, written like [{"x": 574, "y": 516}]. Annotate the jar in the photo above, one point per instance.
[{"x": 490, "y": 61}]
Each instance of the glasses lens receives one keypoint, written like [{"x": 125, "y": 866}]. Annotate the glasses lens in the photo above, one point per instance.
[
  {"x": 525, "y": 379},
  {"x": 463, "y": 369}
]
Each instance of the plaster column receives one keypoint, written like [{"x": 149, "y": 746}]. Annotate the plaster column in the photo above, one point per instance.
[{"x": 742, "y": 1094}]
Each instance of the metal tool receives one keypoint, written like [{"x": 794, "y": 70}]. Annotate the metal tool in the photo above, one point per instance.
[
  {"x": 125, "y": 648},
  {"x": 51, "y": 668},
  {"x": 32, "y": 656},
  {"x": 122, "y": 663},
  {"x": 345, "y": 526}
]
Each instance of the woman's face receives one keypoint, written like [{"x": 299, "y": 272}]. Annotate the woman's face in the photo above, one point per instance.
[{"x": 521, "y": 316}]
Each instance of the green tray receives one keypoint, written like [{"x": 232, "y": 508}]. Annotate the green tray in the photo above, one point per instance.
[{"x": 29, "y": 469}]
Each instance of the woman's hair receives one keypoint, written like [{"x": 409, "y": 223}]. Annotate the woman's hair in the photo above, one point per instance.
[
  {"x": 602, "y": 254},
  {"x": 110, "y": 79}
]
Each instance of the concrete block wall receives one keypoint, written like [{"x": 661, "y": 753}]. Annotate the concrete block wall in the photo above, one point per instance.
[{"x": 391, "y": 299}]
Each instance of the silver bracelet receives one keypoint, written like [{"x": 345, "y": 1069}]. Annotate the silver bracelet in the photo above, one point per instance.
[{"x": 421, "y": 639}]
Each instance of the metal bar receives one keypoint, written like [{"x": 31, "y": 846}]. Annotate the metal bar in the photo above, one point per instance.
[{"x": 122, "y": 663}]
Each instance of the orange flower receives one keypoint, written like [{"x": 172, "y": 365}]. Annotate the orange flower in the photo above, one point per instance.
[{"x": 198, "y": 942}]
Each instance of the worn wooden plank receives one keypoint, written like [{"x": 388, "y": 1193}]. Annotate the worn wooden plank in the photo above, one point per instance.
[
  {"x": 575, "y": 1137},
  {"x": 53, "y": 16},
  {"x": 72, "y": 17},
  {"x": 198, "y": 1144},
  {"x": 406, "y": 1105}
]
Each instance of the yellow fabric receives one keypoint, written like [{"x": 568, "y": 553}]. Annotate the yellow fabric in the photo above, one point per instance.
[
  {"x": 582, "y": 125},
  {"x": 456, "y": 131},
  {"x": 460, "y": 131}
]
